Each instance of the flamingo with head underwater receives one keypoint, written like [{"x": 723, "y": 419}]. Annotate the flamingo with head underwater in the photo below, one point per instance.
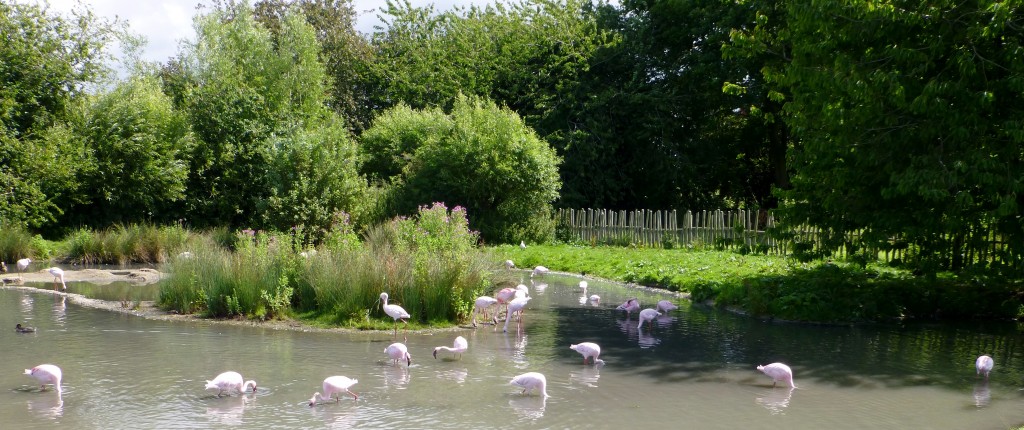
[
  {"x": 58, "y": 275},
  {"x": 335, "y": 385},
  {"x": 460, "y": 346},
  {"x": 394, "y": 311},
  {"x": 630, "y": 306},
  {"x": 531, "y": 381},
  {"x": 647, "y": 315},
  {"x": 46, "y": 374},
  {"x": 398, "y": 351},
  {"x": 778, "y": 372},
  {"x": 984, "y": 365},
  {"x": 665, "y": 306},
  {"x": 230, "y": 381},
  {"x": 587, "y": 350}
]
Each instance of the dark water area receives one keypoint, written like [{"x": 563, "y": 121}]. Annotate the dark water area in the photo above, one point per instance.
[{"x": 695, "y": 368}]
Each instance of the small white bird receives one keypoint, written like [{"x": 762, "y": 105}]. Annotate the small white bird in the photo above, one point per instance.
[
  {"x": 630, "y": 306},
  {"x": 230, "y": 381},
  {"x": 510, "y": 265},
  {"x": 23, "y": 264},
  {"x": 515, "y": 306},
  {"x": 458, "y": 347},
  {"x": 335, "y": 385},
  {"x": 984, "y": 365},
  {"x": 778, "y": 372},
  {"x": 398, "y": 351},
  {"x": 647, "y": 315},
  {"x": 58, "y": 274},
  {"x": 665, "y": 306},
  {"x": 530, "y": 381},
  {"x": 587, "y": 349},
  {"x": 394, "y": 311},
  {"x": 539, "y": 270},
  {"x": 522, "y": 244},
  {"x": 482, "y": 304},
  {"x": 46, "y": 374}
]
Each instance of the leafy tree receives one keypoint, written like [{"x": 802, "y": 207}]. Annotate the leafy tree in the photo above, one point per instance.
[
  {"x": 396, "y": 134},
  {"x": 909, "y": 118},
  {"x": 483, "y": 158},
  {"x": 139, "y": 144}
]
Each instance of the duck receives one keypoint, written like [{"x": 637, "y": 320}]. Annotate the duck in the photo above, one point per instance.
[{"x": 24, "y": 329}]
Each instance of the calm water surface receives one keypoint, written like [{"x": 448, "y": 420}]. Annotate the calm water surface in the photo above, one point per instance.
[{"x": 695, "y": 369}]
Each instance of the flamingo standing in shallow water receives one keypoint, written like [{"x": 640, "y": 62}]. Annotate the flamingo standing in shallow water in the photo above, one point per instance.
[
  {"x": 23, "y": 264},
  {"x": 778, "y": 372},
  {"x": 58, "y": 274},
  {"x": 631, "y": 305},
  {"x": 665, "y": 306},
  {"x": 539, "y": 270},
  {"x": 504, "y": 296},
  {"x": 459, "y": 347},
  {"x": 481, "y": 305},
  {"x": 647, "y": 315},
  {"x": 587, "y": 349},
  {"x": 509, "y": 264},
  {"x": 228, "y": 381},
  {"x": 531, "y": 380},
  {"x": 335, "y": 385},
  {"x": 394, "y": 311},
  {"x": 984, "y": 365},
  {"x": 398, "y": 351},
  {"x": 515, "y": 306},
  {"x": 46, "y": 374}
]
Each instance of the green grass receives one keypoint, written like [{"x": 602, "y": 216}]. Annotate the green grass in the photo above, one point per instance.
[{"x": 137, "y": 243}]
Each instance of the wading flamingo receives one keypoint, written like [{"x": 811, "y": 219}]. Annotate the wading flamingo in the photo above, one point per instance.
[
  {"x": 587, "y": 349},
  {"x": 335, "y": 385},
  {"x": 23, "y": 329},
  {"x": 539, "y": 270},
  {"x": 510, "y": 265},
  {"x": 630, "y": 306},
  {"x": 522, "y": 291},
  {"x": 531, "y": 380},
  {"x": 482, "y": 304},
  {"x": 23, "y": 264},
  {"x": 58, "y": 274},
  {"x": 228, "y": 381},
  {"x": 458, "y": 347},
  {"x": 46, "y": 374},
  {"x": 514, "y": 307},
  {"x": 504, "y": 296},
  {"x": 647, "y": 315},
  {"x": 778, "y": 372},
  {"x": 394, "y": 311},
  {"x": 398, "y": 351},
  {"x": 984, "y": 365},
  {"x": 665, "y": 306}
]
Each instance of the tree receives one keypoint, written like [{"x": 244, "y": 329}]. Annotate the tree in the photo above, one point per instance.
[{"x": 483, "y": 158}]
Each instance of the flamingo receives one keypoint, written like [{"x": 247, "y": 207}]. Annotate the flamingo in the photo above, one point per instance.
[
  {"x": 522, "y": 291},
  {"x": 984, "y": 365},
  {"x": 459, "y": 347},
  {"x": 335, "y": 385},
  {"x": 46, "y": 374},
  {"x": 539, "y": 270},
  {"x": 778, "y": 372},
  {"x": 504, "y": 296},
  {"x": 647, "y": 315},
  {"x": 227, "y": 381},
  {"x": 522, "y": 244},
  {"x": 587, "y": 349},
  {"x": 58, "y": 274},
  {"x": 481, "y": 305},
  {"x": 394, "y": 311},
  {"x": 23, "y": 264},
  {"x": 510, "y": 265},
  {"x": 595, "y": 299},
  {"x": 398, "y": 351},
  {"x": 629, "y": 306},
  {"x": 531, "y": 380},
  {"x": 516, "y": 305},
  {"x": 23, "y": 329},
  {"x": 665, "y": 306}
]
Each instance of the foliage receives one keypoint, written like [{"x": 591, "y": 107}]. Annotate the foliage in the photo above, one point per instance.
[
  {"x": 487, "y": 161},
  {"x": 139, "y": 144},
  {"x": 127, "y": 243},
  {"x": 397, "y": 133},
  {"x": 15, "y": 243}
]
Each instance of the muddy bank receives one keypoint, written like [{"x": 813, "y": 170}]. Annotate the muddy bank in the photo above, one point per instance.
[{"x": 141, "y": 276}]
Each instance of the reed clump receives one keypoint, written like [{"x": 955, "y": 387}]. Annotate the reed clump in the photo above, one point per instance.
[
  {"x": 124, "y": 244},
  {"x": 16, "y": 243}
]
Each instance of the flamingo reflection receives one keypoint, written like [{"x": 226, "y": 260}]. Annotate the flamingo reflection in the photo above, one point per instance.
[{"x": 776, "y": 401}]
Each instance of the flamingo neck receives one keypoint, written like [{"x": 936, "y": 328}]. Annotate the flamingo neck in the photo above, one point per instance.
[{"x": 245, "y": 386}]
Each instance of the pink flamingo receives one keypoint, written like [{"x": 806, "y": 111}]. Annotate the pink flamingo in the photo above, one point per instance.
[
  {"x": 335, "y": 385},
  {"x": 398, "y": 351},
  {"x": 458, "y": 347},
  {"x": 515, "y": 306},
  {"x": 394, "y": 311},
  {"x": 46, "y": 374},
  {"x": 510, "y": 265},
  {"x": 58, "y": 274},
  {"x": 647, "y": 315},
  {"x": 778, "y": 372},
  {"x": 531, "y": 380},
  {"x": 228, "y": 381},
  {"x": 984, "y": 365},
  {"x": 23, "y": 264},
  {"x": 665, "y": 306},
  {"x": 539, "y": 270},
  {"x": 481, "y": 305},
  {"x": 631, "y": 305},
  {"x": 587, "y": 349},
  {"x": 504, "y": 296}
]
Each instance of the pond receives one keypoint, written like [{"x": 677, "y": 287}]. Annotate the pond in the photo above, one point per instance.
[{"x": 694, "y": 369}]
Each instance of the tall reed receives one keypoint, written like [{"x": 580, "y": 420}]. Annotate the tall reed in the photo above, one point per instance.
[
  {"x": 124, "y": 244},
  {"x": 15, "y": 243}
]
